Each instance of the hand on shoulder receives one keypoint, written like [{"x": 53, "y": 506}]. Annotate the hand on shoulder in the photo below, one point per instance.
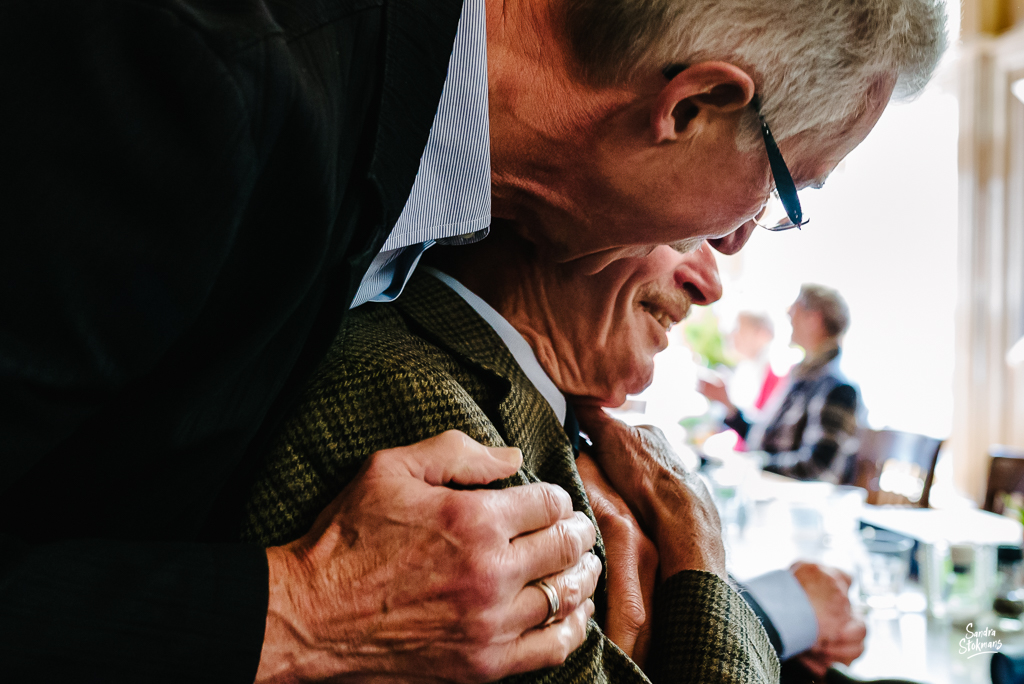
[{"x": 403, "y": 576}]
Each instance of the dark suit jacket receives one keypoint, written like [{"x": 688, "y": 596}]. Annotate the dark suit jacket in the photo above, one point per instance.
[
  {"x": 192, "y": 190},
  {"x": 400, "y": 373}
]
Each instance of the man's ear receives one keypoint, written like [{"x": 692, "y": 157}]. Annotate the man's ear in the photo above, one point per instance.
[{"x": 717, "y": 86}]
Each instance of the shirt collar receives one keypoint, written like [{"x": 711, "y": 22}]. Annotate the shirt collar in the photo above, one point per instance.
[{"x": 517, "y": 345}]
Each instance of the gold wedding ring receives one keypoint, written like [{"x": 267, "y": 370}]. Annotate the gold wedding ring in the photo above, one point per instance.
[{"x": 553, "y": 601}]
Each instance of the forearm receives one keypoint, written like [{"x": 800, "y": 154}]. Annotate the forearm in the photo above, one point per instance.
[{"x": 121, "y": 611}]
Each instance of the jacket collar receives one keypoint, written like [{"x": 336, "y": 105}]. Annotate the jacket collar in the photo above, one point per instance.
[
  {"x": 523, "y": 417},
  {"x": 813, "y": 364},
  {"x": 449, "y": 321}
]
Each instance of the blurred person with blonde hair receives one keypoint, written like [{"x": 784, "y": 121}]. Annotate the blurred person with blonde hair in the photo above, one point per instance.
[{"x": 753, "y": 380}]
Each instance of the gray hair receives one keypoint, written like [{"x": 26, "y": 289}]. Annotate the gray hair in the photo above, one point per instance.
[
  {"x": 813, "y": 61},
  {"x": 835, "y": 314}
]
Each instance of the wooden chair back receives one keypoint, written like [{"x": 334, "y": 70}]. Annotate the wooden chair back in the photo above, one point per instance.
[
  {"x": 896, "y": 467},
  {"x": 1005, "y": 476}
]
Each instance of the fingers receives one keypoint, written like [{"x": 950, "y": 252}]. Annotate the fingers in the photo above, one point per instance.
[
  {"x": 532, "y": 507},
  {"x": 573, "y": 587},
  {"x": 618, "y": 450},
  {"x": 627, "y": 611},
  {"x": 846, "y": 648},
  {"x": 672, "y": 504},
  {"x": 829, "y": 654},
  {"x": 604, "y": 500},
  {"x": 590, "y": 473},
  {"x": 705, "y": 387},
  {"x": 453, "y": 456},
  {"x": 648, "y": 571},
  {"x": 549, "y": 646},
  {"x": 845, "y": 578},
  {"x": 844, "y": 654},
  {"x": 850, "y": 646},
  {"x": 632, "y": 562},
  {"x": 553, "y": 549}
]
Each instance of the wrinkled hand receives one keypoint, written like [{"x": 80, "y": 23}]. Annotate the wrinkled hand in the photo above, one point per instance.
[
  {"x": 715, "y": 391},
  {"x": 404, "y": 578},
  {"x": 841, "y": 631},
  {"x": 631, "y": 565},
  {"x": 673, "y": 506}
]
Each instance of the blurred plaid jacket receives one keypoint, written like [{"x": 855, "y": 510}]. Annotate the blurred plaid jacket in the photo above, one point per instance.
[
  {"x": 810, "y": 428},
  {"x": 403, "y": 372}
]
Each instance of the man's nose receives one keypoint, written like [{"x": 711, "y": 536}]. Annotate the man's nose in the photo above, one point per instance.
[
  {"x": 733, "y": 242},
  {"x": 697, "y": 274}
]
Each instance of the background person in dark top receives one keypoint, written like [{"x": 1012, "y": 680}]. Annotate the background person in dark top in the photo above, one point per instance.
[
  {"x": 810, "y": 428},
  {"x": 193, "y": 192}
]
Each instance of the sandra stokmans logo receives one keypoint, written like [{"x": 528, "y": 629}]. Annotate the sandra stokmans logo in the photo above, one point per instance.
[{"x": 979, "y": 643}]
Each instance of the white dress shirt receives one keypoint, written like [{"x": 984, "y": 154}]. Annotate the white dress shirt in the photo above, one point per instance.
[{"x": 517, "y": 345}]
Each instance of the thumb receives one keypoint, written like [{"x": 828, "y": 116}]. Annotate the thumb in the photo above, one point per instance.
[{"x": 454, "y": 457}]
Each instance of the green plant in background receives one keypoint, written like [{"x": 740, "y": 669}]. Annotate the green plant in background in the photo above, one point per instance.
[
  {"x": 705, "y": 338},
  {"x": 1013, "y": 506}
]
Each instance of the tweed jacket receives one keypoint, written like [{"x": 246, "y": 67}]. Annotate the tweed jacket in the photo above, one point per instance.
[{"x": 403, "y": 372}]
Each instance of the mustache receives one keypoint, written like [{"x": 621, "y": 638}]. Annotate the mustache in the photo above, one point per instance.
[{"x": 676, "y": 302}]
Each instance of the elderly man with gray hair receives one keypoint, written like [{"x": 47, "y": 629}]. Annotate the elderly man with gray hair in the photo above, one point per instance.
[
  {"x": 809, "y": 429},
  {"x": 198, "y": 190}
]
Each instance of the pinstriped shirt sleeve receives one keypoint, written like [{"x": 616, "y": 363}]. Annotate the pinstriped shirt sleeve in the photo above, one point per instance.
[{"x": 450, "y": 201}]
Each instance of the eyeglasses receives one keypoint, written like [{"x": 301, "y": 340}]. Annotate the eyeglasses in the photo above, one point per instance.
[
  {"x": 782, "y": 210},
  {"x": 791, "y": 215}
]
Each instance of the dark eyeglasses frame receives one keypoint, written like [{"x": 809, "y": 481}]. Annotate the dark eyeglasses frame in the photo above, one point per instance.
[{"x": 784, "y": 185}]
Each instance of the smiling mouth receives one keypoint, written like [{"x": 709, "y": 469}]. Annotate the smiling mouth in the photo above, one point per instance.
[{"x": 665, "y": 319}]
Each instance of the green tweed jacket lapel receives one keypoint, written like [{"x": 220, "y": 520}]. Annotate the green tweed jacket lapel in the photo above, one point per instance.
[{"x": 522, "y": 416}]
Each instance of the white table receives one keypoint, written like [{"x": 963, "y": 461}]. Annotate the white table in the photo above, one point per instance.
[{"x": 789, "y": 521}]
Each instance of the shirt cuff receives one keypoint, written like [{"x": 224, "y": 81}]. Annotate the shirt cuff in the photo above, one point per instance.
[{"x": 786, "y": 604}]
